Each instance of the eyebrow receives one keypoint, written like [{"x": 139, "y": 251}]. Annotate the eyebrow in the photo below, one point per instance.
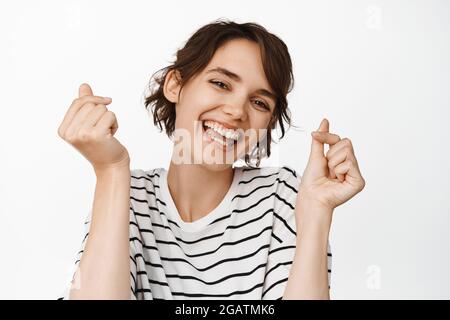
[{"x": 237, "y": 78}]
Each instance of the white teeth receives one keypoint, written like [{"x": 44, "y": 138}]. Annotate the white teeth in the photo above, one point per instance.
[
  {"x": 228, "y": 133},
  {"x": 218, "y": 140}
]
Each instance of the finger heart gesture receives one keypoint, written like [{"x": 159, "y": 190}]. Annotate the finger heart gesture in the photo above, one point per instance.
[{"x": 333, "y": 178}]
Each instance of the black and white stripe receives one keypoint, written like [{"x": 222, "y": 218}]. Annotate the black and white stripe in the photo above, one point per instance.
[{"x": 243, "y": 249}]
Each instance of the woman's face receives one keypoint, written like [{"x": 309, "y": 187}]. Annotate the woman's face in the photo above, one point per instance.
[{"x": 231, "y": 92}]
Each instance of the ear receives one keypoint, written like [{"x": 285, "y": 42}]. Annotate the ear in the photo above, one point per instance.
[{"x": 172, "y": 85}]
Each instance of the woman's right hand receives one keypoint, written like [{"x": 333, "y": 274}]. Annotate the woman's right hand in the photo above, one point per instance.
[{"x": 90, "y": 127}]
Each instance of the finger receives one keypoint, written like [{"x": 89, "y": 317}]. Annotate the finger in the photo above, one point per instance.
[
  {"x": 78, "y": 120},
  {"x": 317, "y": 145},
  {"x": 350, "y": 169},
  {"x": 114, "y": 127},
  {"x": 332, "y": 173},
  {"x": 85, "y": 90},
  {"x": 94, "y": 116},
  {"x": 335, "y": 160},
  {"x": 342, "y": 169},
  {"x": 107, "y": 124},
  {"x": 94, "y": 99},
  {"x": 343, "y": 143},
  {"x": 335, "y": 148},
  {"x": 326, "y": 137},
  {"x": 76, "y": 105}
]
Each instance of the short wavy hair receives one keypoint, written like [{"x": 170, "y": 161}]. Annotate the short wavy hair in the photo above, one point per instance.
[{"x": 198, "y": 52}]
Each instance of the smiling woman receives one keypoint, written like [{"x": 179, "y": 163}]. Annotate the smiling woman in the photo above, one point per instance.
[
  {"x": 244, "y": 63},
  {"x": 204, "y": 228}
]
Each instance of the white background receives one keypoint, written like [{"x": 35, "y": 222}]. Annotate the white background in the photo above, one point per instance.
[{"x": 378, "y": 70}]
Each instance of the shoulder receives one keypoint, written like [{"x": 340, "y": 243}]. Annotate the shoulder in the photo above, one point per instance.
[
  {"x": 279, "y": 174},
  {"x": 149, "y": 176},
  {"x": 144, "y": 190}
]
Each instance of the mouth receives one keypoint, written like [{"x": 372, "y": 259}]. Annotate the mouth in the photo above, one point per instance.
[{"x": 223, "y": 138}]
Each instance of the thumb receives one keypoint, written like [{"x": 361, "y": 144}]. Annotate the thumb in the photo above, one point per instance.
[
  {"x": 85, "y": 90},
  {"x": 317, "y": 149}
]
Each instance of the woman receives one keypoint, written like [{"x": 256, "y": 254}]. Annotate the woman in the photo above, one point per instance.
[{"x": 205, "y": 228}]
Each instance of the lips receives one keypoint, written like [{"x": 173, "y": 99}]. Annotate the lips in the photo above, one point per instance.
[
  {"x": 224, "y": 124},
  {"x": 209, "y": 133},
  {"x": 228, "y": 133}
]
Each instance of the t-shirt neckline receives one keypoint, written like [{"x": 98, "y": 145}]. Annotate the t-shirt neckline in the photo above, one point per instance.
[{"x": 201, "y": 223}]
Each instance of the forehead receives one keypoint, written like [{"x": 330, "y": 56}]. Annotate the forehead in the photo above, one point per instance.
[{"x": 242, "y": 57}]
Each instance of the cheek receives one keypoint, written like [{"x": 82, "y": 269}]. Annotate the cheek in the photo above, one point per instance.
[
  {"x": 261, "y": 124},
  {"x": 259, "y": 120},
  {"x": 198, "y": 103},
  {"x": 206, "y": 99}
]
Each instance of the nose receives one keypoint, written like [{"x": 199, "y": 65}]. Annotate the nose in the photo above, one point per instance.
[{"x": 236, "y": 111}]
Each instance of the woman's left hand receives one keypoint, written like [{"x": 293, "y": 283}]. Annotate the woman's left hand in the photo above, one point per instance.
[{"x": 332, "y": 179}]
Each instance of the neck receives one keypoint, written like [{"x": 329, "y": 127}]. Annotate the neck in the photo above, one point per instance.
[{"x": 195, "y": 190}]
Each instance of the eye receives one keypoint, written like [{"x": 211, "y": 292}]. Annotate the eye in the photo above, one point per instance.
[
  {"x": 219, "y": 84},
  {"x": 262, "y": 104}
]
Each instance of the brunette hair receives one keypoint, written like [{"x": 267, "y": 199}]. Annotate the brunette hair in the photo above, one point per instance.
[{"x": 198, "y": 52}]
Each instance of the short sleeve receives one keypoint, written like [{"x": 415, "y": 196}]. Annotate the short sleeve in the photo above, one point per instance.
[
  {"x": 140, "y": 285},
  {"x": 66, "y": 292},
  {"x": 284, "y": 236}
]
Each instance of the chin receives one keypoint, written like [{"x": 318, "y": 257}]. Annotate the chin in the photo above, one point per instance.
[{"x": 217, "y": 167}]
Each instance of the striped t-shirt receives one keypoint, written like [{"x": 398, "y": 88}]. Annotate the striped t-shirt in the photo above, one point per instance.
[{"x": 242, "y": 249}]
